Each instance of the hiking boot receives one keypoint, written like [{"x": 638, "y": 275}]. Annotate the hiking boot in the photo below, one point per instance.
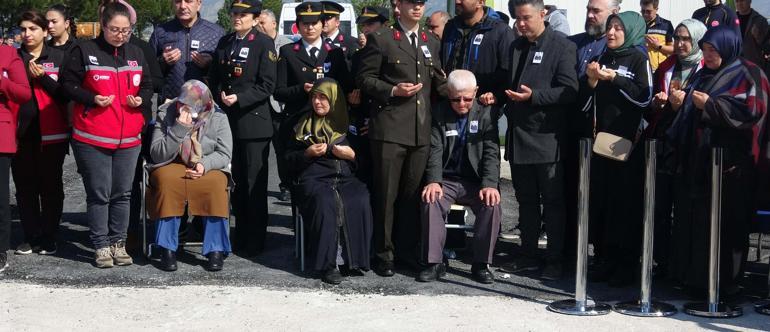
[
  {"x": 3, "y": 261},
  {"x": 103, "y": 258},
  {"x": 119, "y": 255}
]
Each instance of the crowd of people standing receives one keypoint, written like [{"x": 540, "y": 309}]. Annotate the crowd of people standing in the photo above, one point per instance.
[{"x": 378, "y": 135}]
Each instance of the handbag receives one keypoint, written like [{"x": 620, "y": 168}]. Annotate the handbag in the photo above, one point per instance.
[{"x": 609, "y": 145}]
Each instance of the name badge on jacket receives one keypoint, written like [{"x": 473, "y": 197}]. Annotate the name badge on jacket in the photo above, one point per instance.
[
  {"x": 451, "y": 133},
  {"x": 425, "y": 51},
  {"x": 477, "y": 40},
  {"x": 538, "y": 57},
  {"x": 195, "y": 44},
  {"x": 244, "y": 52},
  {"x": 474, "y": 127}
]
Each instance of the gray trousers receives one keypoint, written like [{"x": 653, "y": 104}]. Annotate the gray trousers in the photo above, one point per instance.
[
  {"x": 540, "y": 192},
  {"x": 107, "y": 177},
  {"x": 485, "y": 229}
]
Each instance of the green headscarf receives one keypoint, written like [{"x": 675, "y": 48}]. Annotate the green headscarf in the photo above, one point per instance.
[
  {"x": 634, "y": 28},
  {"x": 330, "y": 128}
]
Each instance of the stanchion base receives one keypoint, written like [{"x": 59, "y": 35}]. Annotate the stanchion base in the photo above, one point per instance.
[
  {"x": 570, "y": 307},
  {"x": 763, "y": 307},
  {"x": 654, "y": 309},
  {"x": 701, "y": 309}
]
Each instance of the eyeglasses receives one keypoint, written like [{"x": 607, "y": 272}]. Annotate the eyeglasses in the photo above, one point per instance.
[
  {"x": 460, "y": 99},
  {"x": 682, "y": 38},
  {"x": 116, "y": 31}
]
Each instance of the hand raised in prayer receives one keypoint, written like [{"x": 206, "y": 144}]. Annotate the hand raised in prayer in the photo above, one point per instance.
[
  {"x": 343, "y": 152},
  {"x": 699, "y": 99},
  {"x": 316, "y": 150}
]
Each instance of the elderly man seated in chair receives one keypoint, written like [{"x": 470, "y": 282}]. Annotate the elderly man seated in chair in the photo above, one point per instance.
[{"x": 463, "y": 168}]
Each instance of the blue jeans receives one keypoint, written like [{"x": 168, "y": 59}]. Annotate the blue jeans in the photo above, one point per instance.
[
  {"x": 215, "y": 237},
  {"x": 107, "y": 177}
]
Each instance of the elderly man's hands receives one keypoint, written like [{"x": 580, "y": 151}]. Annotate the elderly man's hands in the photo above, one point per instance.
[
  {"x": 432, "y": 193},
  {"x": 489, "y": 196}
]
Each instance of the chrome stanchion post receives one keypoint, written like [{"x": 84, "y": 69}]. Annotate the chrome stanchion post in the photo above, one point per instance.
[
  {"x": 645, "y": 307},
  {"x": 714, "y": 308},
  {"x": 581, "y": 305}
]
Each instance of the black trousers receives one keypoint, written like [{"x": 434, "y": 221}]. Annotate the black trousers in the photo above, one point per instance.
[
  {"x": 5, "y": 208},
  {"x": 250, "y": 172},
  {"x": 540, "y": 193},
  {"x": 37, "y": 172},
  {"x": 397, "y": 180},
  {"x": 279, "y": 145}
]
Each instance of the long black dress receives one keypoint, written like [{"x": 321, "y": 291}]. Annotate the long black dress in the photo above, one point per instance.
[{"x": 335, "y": 208}]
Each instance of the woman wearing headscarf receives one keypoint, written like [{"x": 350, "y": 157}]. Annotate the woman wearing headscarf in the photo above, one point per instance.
[
  {"x": 43, "y": 138},
  {"x": 621, "y": 91},
  {"x": 191, "y": 150},
  {"x": 725, "y": 107},
  {"x": 669, "y": 83},
  {"x": 334, "y": 204},
  {"x": 14, "y": 89}
]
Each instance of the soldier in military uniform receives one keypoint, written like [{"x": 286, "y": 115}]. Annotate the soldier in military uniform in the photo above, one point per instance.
[
  {"x": 305, "y": 61},
  {"x": 371, "y": 19},
  {"x": 400, "y": 68},
  {"x": 332, "y": 33},
  {"x": 242, "y": 78}
]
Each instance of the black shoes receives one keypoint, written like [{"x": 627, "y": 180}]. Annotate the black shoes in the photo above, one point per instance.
[
  {"x": 285, "y": 195},
  {"x": 432, "y": 273},
  {"x": 552, "y": 271},
  {"x": 521, "y": 264},
  {"x": 384, "y": 269},
  {"x": 216, "y": 261},
  {"x": 332, "y": 276},
  {"x": 167, "y": 260},
  {"x": 482, "y": 274}
]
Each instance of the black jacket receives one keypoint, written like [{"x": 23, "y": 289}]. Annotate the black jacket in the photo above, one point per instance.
[
  {"x": 482, "y": 147},
  {"x": 620, "y": 103},
  {"x": 248, "y": 72},
  {"x": 388, "y": 59},
  {"x": 537, "y": 127}
]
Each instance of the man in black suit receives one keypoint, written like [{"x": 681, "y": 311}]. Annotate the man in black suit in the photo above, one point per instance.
[
  {"x": 305, "y": 61},
  {"x": 242, "y": 78},
  {"x": 331, "y": 30},
  {"x": 542, "y": 83},
  {"x": 400, "y": 69},
  {"x": 463, "y": 168}
]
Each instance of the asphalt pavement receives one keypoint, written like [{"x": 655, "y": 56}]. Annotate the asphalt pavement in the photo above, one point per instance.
[{"x": 277, "y": 268}]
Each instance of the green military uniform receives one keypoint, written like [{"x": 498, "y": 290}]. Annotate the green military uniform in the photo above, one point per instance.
[{"x": 399, "y": 131}]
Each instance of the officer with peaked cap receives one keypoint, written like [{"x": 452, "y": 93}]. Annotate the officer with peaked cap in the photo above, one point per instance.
[
  {"x": 242, "y": 78},
  {"x": 332, "y": 33}
]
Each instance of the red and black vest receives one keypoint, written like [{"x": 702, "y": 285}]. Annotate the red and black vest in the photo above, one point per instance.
[
  {"x": 117, "y": 125},
  {"x": 54, "y": 127}
]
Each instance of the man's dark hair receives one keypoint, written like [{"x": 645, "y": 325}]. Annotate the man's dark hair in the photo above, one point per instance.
[
  {"x": 654, "y": 3},
  {"x": 538, "y": 4}
]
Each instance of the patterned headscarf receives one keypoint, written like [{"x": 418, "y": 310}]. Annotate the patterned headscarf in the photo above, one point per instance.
[
  {"x": 196, "y": 97},
  {"x": 330, "y": 128}
]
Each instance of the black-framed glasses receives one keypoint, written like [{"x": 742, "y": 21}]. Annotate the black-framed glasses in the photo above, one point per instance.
[{"x": 459, "y": 99}]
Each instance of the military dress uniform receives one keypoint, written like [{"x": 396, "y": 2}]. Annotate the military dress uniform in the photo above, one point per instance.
[
  {"x": 348, "y": 44},
  {"x": 296, "y": 67},
  {"x": 246, "y": 67},
  {"x": 399, "y": 132}
]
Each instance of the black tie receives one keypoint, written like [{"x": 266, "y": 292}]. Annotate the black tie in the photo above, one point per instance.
[
  {"x": 328, "y": 40},
  {"x": 413, "y": 38},
  {"x": 314, "y": 54}
]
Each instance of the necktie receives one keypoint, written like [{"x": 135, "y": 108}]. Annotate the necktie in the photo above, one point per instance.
[
  {"x": 328, "y": 40},
  {"x": 314, "y": 53},
  {"x": 413, "y": 39}
]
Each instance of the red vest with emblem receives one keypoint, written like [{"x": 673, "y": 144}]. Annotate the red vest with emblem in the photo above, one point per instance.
[
  {"x": 116, "y": 126},
  {"x": 53, "y": 116}
]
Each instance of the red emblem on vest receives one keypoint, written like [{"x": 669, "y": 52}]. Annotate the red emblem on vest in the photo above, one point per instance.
[
  {"x": 132, "y": 63},
  {"x": 48, "y": 65},
  {"x": 397, "y": 35},
  {"x": 424, "y": 37}
]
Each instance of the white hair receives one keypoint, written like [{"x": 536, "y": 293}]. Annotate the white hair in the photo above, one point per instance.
[
  {"x": 269, "y": 13},
  {"x": 615, "y": 4},
  {"x": 461, "y": 79}
]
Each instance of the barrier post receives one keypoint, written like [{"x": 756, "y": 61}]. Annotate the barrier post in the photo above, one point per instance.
[
  {"x": 581, "y": 305},
  {"x": 645, "y": 307}
]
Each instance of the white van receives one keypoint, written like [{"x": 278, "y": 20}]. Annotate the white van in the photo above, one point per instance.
[{"x": 287, "y": 23}]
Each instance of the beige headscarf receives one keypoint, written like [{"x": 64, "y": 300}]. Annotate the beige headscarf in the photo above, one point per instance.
[{"x": 331, "y": 128}]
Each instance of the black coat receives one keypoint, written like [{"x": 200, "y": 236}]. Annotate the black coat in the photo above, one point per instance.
[
  {"x": 349, "y": 46},
  {"x": 249, "y": 72},
  {"x": 537, "y": 127},
  {"x": 388, "y": 59}
]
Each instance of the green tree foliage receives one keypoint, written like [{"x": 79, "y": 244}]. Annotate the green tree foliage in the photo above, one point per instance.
[
  {"x": 358, "y": 4},
  {"x": 223, "y": 15}
]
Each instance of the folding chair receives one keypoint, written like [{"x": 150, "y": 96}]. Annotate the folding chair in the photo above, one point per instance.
[{"x": 299, "y": 231}]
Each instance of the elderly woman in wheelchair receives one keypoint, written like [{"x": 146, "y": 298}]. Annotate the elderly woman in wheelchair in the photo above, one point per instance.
[{"x": 191, "y": 151}]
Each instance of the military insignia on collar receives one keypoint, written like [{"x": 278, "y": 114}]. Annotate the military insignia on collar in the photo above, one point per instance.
[
  {"x": 327, "y": 47},
  {"x": 340, "y": 38},
  {"x": 424, "y": 37},
  {"x": 272, "y": 56},
  {"x": 296, "y": 47},
  {"x": 396, "y": 35},
  {"x": 251, "y": 37}
]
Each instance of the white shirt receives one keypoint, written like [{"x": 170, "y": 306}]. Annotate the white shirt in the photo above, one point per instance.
[
  {"x": 409, "y": 32},
  {"x": 318, "y": 44},
  {"x": 333, "y": 37}
]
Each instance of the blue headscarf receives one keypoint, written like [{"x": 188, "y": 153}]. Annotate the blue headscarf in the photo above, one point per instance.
[{"x": 725, "y": 41}]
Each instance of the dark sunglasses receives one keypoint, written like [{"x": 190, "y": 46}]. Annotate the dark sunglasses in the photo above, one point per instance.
[{"x": 463, "y": 99}]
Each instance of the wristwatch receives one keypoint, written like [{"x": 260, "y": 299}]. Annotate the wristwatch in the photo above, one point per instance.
[{"x": 660, "y": 47}]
